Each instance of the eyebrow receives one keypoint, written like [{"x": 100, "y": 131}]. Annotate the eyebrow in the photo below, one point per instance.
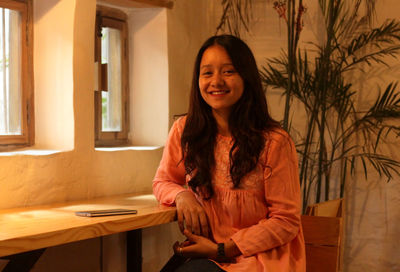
[{"x": 209, "y": 65}]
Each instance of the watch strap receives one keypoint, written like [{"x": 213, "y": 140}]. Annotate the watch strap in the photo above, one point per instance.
[{"x": 221, "y": 250}]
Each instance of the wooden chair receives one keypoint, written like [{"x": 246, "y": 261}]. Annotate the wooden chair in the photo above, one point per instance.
[{"x": 322, "y": 228}]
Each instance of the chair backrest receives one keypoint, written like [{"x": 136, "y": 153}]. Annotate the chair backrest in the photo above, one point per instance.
[
  {"x": 331, "y": 208},
  {"x": 322, "y": 230}
]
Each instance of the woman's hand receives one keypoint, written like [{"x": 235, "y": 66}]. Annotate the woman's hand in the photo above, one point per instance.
[
  {"x": 196, "y": 247},
  {"x": 191, "y": 214}
]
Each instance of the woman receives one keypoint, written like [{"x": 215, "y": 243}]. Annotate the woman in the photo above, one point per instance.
[{"x": 231, "y": 170}]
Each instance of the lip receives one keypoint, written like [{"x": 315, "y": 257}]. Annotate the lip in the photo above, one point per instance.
[{"x": 218, "y": 92}]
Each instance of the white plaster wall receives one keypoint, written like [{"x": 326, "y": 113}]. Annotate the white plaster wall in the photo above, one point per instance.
[
  {"x": 149, "y": 76},
  {"x": 190, "y": 23},
  {"x": 53, "y": 42},
  {"x": 373, "y": 205}
]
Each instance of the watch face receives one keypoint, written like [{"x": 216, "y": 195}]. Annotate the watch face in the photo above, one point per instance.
[{"x": 221, "y": 250}]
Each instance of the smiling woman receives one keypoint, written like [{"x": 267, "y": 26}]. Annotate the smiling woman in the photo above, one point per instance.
[{"x": 232, "y": 171}]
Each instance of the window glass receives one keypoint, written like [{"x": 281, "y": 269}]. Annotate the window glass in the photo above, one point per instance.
[
  {"x": 111, "y": 99},
  {"x": 10, "y": 72}
]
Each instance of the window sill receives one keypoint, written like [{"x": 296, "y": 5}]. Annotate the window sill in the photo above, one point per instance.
[
  {"x": 127, "y": 148},
  {"x": 31, "y": 152},
  {"x": 44, "y": 152}
]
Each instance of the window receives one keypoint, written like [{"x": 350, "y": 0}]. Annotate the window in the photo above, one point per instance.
[
  {"x": 16, "y": 74},
  {"x": 111, "y": 91}
]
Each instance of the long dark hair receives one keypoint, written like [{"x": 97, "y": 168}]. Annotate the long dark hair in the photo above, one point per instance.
[{"x": 248, "y": 121}]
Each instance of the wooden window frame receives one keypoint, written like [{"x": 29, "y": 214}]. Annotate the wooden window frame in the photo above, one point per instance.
[
  {"x": 141, "y": 3},
  {"x": 27, "y": 137},
  {"x": 114, "y": 18}
]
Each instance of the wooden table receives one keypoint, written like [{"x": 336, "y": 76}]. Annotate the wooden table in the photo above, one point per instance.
[{"x": 27, "y": 229}]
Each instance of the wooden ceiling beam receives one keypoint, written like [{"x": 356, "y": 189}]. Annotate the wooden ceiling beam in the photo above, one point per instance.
[{"x": 140, "y": 3}]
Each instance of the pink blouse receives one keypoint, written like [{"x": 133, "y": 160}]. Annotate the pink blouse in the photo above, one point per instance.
[{"x": 262, "y": 216}]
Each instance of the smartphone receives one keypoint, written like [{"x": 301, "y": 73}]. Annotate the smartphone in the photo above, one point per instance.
[{"x": 107, "y": 212}]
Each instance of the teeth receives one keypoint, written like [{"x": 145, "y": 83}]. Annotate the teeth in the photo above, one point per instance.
[{"x": 219, "y": 92}]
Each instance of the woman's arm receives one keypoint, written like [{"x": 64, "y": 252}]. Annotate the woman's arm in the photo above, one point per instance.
[
  {"x": 170, "y": 176},
  {"x": 169, "y": 181}
]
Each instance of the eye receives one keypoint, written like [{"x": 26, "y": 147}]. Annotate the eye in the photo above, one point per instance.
[
  {"x": 206, "y": 73},
  {"x": 229, "y": 71}
]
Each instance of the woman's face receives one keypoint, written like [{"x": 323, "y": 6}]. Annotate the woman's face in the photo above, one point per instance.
[{"x": 220, "y": 84}]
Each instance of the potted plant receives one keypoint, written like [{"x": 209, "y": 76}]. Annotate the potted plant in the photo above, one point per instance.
[{"x": 338, "y": 134}]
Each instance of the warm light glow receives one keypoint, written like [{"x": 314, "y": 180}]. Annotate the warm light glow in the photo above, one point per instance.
[
  {"x": 127, "y": 148},
  {"x": 89, "y": 207},
  {"x": 30, "y": 215},
  {"x": 30, "y": 152},
  {"x": 141, "y": 197}
]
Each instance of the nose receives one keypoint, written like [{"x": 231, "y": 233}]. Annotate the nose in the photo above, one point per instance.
[{"x": 217, "y": 80}]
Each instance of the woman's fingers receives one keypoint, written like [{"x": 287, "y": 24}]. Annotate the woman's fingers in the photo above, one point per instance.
[
  {"x": 186, "y": 243},
  {"x": 188, "y": 234},
  {"x": 193, "y": 238},
  {"x": 188, "y": 251},
  {"x": 198, "y": 246},
  {"x": 204, "y": 224},
  {"x": 191, "y": 214},
  {"x": 188, "y": 220},
  {"x": 180, "y": 220},
  {"x": 196, "y": 225},
  {"x": 175, "y": 247}
]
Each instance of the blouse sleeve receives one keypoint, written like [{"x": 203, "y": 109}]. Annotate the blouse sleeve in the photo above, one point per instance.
[
  {"x": 282, "y": 194},
  {"x": 170, "y": 176}
]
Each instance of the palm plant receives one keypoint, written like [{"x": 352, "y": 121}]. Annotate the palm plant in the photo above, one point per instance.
[{"x": 339, "y": 134}]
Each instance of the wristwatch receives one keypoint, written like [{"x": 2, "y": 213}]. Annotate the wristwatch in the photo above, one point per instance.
[{"x": 221, "y": 251}]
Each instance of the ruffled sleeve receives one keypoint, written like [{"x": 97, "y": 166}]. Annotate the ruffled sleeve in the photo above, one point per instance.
[
  {"x": 170, "y": 176},
  {"x": 282, "y": 195}
]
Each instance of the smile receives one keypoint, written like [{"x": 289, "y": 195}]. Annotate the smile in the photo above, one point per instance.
[{"x": 219, "y": 92}]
